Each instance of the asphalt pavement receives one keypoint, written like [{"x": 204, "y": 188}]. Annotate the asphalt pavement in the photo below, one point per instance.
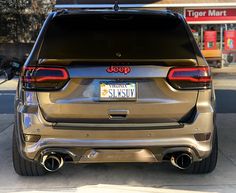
[
  {"x": 7, "y": 102},
  {"x": 7, "y": 95},
  {"x": 124, "y": 178},
  {"x": 128, "y": 178}
]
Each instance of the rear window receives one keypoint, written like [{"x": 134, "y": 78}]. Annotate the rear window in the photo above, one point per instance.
[{"x": 119, "y": 36}]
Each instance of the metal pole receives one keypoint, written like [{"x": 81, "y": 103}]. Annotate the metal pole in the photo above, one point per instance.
[
  {"x": 201, "y": 37},
  {"x": 221, "y": 37}
]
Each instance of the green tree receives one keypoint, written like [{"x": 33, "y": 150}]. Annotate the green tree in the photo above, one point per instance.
[{"x": 20, "y": 20}]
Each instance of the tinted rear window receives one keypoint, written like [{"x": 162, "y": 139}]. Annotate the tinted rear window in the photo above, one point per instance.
[{"x": 120, "y": 36}]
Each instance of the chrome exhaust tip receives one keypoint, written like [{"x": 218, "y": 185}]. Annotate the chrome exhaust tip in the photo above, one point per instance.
[
  {"x": 182, "y": 161},
  {"x": 52, "y": 162}
]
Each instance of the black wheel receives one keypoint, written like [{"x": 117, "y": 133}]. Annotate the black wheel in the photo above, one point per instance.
[
  {"x": 208, "y": 164},
  {"x": 24, "y": 167},
  {"x": 230, "y": 58}
]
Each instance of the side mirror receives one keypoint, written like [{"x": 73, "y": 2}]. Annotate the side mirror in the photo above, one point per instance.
[
  {"x": 3, "y": 77},
  {"x": 9, "y": 69},
  {"x": 16, "y": 67}
]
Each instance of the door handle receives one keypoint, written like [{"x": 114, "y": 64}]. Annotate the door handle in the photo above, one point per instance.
[{"x": 115, "y": 114}]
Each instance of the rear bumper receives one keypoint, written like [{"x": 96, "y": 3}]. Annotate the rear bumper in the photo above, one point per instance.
[{"x": 143, "y": 145}]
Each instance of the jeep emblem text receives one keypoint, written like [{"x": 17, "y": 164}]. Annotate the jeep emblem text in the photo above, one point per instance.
[{"x": 119, "y": 69}]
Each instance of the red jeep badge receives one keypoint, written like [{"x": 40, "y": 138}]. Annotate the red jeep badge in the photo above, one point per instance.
[{"x": 119, "y": 69}]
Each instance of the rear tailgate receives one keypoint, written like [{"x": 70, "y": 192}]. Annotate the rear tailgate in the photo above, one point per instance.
[
  {"x": 146, "y": 42},
  {"x": 79, "y": 100}
]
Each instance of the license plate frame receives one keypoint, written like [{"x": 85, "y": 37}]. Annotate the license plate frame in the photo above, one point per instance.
[{"x": 134, "y": 85}]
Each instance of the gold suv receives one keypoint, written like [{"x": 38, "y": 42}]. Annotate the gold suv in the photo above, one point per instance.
[{"x": 114, "y": 86}]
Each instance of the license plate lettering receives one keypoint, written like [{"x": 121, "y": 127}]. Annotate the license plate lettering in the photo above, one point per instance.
[
  {"x": 121, "y": 93},
  {"x": 117, "y": 90}
]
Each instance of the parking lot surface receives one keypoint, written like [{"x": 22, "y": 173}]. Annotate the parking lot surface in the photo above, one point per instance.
[{"x": 131, "y": 178}]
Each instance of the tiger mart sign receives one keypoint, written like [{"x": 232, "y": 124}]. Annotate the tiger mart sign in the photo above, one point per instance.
[{"x": 210, "y": 15}]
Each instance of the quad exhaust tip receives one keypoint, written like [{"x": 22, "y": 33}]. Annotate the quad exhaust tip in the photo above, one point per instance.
[
  {"x": 182, "y": 161},
  {"x": 52, "y": 162}
]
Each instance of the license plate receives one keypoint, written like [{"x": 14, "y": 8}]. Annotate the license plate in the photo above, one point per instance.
[{"x": 118, "y": 91}]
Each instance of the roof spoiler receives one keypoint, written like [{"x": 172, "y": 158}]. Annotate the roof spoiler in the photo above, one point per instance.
[
  {"x": 105, "y": 6},
  {"x": 114, "y": 4}
]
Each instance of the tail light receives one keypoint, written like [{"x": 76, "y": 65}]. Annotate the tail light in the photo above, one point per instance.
[
  {"x": 190, "y": 78},
  {"x": 44, "y": 78}
]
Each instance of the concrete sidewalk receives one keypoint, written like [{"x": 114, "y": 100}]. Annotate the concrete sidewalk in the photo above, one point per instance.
[
  {"x": 224, "y": 78},
  {"x": 124, "y": 178},
  {"x": 9, "y": 85},
  {"x": 225, "y": 69}
]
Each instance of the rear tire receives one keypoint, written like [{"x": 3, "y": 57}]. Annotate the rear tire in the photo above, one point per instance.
[
  {"x": 22, "y": 166},
  {"x": 208, "y": 164}
]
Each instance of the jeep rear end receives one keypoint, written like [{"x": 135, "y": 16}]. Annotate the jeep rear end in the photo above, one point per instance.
[{"x": 115, "y": 86}]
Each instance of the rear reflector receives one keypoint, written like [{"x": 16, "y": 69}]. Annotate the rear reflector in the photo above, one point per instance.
[
  {"x": 202, "y": 136},
  {"x": 190, "y": 78},
  {"x": 31, "y": 138},
  {"x": 44, "y": 78}
]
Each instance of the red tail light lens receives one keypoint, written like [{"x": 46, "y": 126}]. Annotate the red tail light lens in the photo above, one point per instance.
[
  {"x": 190, "y": 78},
  {"x": 44, "y": 78}
]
